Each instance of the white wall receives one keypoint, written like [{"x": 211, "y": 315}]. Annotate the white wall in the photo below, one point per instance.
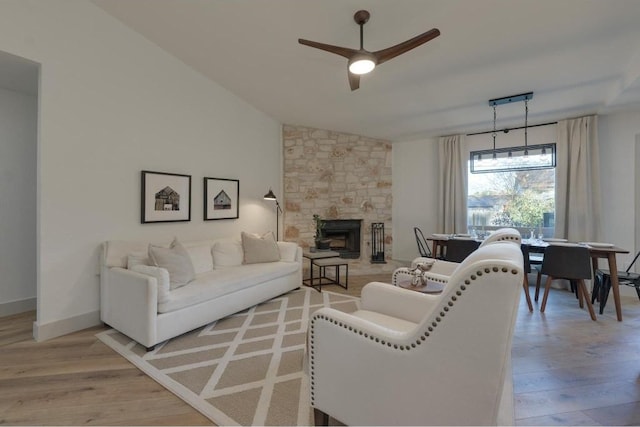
[
  {"x": 112, "y": 104},
  {"x": 618, "y": 169},
  {"x": 18, "y": 115},
  {"x": 415, "y": 193}
]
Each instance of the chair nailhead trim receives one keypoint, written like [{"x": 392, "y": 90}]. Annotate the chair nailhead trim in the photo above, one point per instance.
[{"x": 422, "y": 338}]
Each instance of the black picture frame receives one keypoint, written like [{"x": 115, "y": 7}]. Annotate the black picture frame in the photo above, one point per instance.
[
  {"x": 165, "y": 197},
  {"x": 221, "y": 198}
]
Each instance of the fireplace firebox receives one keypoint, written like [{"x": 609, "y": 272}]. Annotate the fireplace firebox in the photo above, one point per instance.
[{"x": 344, "y": 235}]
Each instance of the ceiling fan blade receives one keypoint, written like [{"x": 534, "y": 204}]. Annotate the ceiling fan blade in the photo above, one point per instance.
[
  {"x": 354, "y": 80},
  {"x": 342, "y": 51},
  {"x": 391, "y": 52}
]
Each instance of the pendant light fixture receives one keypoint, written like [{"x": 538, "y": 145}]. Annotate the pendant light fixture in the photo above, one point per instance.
[
  {"x": 525, "y": 157},
  {"x": 526, "y": 116}
]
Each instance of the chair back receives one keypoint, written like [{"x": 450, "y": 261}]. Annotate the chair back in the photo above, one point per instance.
[
  {"x": 423, "y": 247},
  {"x": 525, "y": 255},
  {"x": 470, "y": 340},
  {"x": 632, "y": 262},
  {"x": 458, "y": 249},
  {"x": 567, "y": 261},
  {"x": 503, "y": 234}
]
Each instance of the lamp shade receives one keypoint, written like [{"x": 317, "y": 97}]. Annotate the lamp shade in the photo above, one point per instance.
[
  {"x": 270, "y": 195},
  {"x": 362, "y": 63}
]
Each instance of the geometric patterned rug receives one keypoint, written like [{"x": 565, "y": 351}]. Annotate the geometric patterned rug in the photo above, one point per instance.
[{"x": 245, "y": 369}]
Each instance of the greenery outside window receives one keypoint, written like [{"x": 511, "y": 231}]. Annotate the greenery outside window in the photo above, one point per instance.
[{"x": 523, "y": 199}]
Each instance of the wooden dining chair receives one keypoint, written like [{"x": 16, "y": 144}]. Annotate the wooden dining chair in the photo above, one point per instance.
[
  {"x": 458, "y": 249},
  {"x": 571, "y": 262}
]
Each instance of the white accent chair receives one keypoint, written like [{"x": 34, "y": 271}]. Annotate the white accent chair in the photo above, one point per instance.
[
  {"x": 441, "y": 270},
  {"x": 503, "y": 234},
  {"x": 500, "y": 235},
  {"x": 406, "y": 358}
]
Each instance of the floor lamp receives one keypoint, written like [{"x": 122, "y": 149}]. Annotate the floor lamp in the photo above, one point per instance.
[{"x": 271, "y": 196}]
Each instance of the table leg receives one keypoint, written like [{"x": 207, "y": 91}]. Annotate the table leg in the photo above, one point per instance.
[
  {"x": 594, "y": 266},
  {"x": 613, "y": 272},
  {"x": 311, "y": 274}
]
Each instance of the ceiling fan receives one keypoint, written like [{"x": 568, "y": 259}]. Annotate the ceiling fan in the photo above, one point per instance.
[{"x": 362, "y": 61}]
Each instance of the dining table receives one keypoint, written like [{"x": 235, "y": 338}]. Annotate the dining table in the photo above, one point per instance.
[{"x": 597, "y": 251}]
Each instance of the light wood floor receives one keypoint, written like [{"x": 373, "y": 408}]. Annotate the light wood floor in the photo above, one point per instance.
[{"x": 568, "y": 370}]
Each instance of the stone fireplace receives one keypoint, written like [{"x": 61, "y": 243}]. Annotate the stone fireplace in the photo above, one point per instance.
[
  {"x": 346, "y": 180},
  {"x": 344, "y": 235}
]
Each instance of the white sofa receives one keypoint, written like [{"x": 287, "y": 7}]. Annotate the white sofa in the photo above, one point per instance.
[{"x": 137, "y": 305}]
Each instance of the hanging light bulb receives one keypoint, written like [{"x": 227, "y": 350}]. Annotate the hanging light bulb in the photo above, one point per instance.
[{"x": 543, "y": 155}]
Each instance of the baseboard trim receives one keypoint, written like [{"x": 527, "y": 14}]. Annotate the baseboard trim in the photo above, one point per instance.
[
  {"x": 47, "y": 331},
  {"x": 15, "y": 307}
]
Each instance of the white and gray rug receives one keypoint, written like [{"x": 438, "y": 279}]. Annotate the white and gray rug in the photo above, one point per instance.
[{"x": 246, "y": 369}]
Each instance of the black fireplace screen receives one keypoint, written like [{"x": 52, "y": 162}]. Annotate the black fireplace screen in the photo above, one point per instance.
[
  {"x": 344, "y": 235},
  {"x": 377, "y": 242}
]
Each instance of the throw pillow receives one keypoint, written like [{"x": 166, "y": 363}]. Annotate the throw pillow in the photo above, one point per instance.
[
  {"x": 137, "y": 259},
  {"x": 259, "y": 248},
  {"x": 201, "y": 257},
  {"x": 161, "y": 275},
  {"x": 177, "y": 262}
]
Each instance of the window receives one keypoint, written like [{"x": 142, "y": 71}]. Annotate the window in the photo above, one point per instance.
[{"x": 524, "y": 199}]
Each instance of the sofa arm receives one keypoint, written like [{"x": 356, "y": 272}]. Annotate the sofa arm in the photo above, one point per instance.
[
  {"x": 131, "y": 304},
  {"x": 288, "y": 251},
  {"x": 397, "y": 302}
]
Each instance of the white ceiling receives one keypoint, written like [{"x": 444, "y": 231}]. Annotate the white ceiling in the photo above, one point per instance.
[{"x": 577, "y": 56}]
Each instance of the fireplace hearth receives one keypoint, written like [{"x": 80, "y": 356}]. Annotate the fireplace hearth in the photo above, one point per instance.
[{"x": 344, "y": 235}]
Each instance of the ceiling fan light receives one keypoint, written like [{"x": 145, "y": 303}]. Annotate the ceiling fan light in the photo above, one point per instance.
[{"x": 362, "y": 64}]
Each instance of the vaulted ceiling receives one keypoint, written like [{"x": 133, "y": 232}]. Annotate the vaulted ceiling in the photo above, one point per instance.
[{"x": 577, "y": 56}]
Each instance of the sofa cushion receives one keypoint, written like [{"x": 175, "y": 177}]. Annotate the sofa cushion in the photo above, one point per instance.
[
  {"x": 201, "y": 256},
  {"x": 176, "y": 260},
  {"x": 115, "y": 252},
  {"x": 227, "y": 252},
  {"x": 137, "y": 258},
  {"x": 288, "y": 251},
  {"x": 259, "y": 249},
  {"x": 162, "y": 277},
  {"x": 225, "y": 280}
]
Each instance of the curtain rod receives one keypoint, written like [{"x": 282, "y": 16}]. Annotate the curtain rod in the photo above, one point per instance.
[{"x": 506, "y": 130}]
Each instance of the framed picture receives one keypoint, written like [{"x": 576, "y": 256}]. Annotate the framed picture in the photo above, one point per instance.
[
  {"x": 221, "y": 198},
  {"x": 166, "y": 197}
]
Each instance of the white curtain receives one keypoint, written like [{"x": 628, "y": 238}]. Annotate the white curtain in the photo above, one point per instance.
[
  {"x": 452, "y": 194},
  {"x": 578, "y": 180}
]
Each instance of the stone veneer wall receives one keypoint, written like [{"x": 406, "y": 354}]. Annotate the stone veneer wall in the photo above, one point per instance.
[{"x": 337, "y": 176}]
